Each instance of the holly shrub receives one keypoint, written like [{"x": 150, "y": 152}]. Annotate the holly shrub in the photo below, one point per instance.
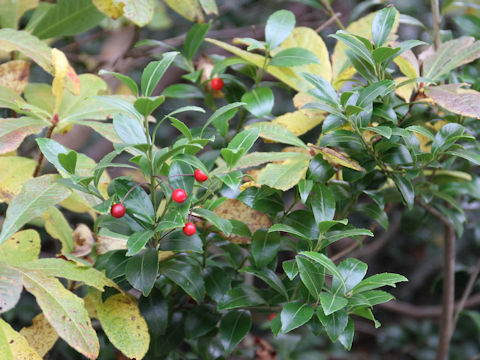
[{"x": 210, "y": 218}]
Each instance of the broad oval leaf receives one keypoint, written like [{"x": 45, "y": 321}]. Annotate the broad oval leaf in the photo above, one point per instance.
[
  {"x": 124, "y": 325},
  {"x": 259, "y": 101},
  {"x": 234, "y": 326},
  {"x": 294, "y": 315},
  {"x": 279, "y": 26},
  {"x": 13, "y": 346}
]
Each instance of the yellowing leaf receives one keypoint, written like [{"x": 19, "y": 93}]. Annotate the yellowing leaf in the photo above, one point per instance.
[
  {"x": 362, "y": 27},
  {"x": 13, "y": 346},
  {"x": 15, "y": 74},
  {"x": 286, "y": 75},
  {"x": 40, "y": 335},
  {"x": 189, "y": 9},
  {"x": 11, "y": 287},
  {"x": 405, "y": 91},
  {"x": 334, "y": 157},
  {"x": 21, "y": 247},
  {"x": 237, "y": 210},
  {"x": 452, "y": 97},
  {"x": 408, "y": 64},
  {"x": 309, "y": 39},
  {"x": 298, "y": 122},
  {"x": 110, "y": 241},
  {"x": 60, "y": 64},
  {"x": 285, "y": 175},
  {"x": 77, "y": 204},
  {"x": 140, "y": 12},
  {"x": 58, "y": 228},
  {"x": 14, "y": 130},
  {"x": 65, "y": 312},
  {"x": 68, "y": 270},
  {"x": 109, "y": 8},
  {"x": 15, "y": 171},
  {"x": 343, "y": 77},
  {"x": 124, "y": 325}
]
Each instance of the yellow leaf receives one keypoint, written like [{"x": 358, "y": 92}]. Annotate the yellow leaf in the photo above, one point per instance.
[
  {"x": 40, "y": 335},
  {"x": 452, "y": 97},
  {"x": 405, "y": 91},
  {"x": 285, "y": 175},
  {"x": 108, "y": 241},
  {"x": 64, "y": 311},
  {"x": 62, "y": 71},
  {"x": 124, "y": 325},
  {"x": 109, "y": 8},
  {"x": 309, "y": 39},
  {"x": 286, "y": 75},
  {"x": 408, "y": 64},
  {"x": 189, "y": 9},
  {"x": 13, "y": 346},
  {"x": 165, "y": 255},
  {"x": 343, "y": 77},
  {"x": 15, "y": 74},
  {"x": 58, "y": 228},
  {"x": 15, "y": 171},
  {"x": 362, "y": 27},
  {"x": 298, "y": 122},
  {"x": 77, "y": 204},
  {"x": 235, "y": 209},
  {"x": 334, "y": 157},
  {"x": 21, "y": 247}
]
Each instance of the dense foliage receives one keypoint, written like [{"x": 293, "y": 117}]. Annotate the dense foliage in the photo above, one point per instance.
[{"x": 219, "y": 212}]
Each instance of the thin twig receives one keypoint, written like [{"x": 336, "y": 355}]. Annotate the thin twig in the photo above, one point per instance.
[
  {"x": 328, "y": 22},
  {"x": 466, "y": 293},
  {"x": 437, "y": 20},
  {"x": 420, "y": 312},
  {"x": 448, "y": 299},
  {"x": 332, "y": 13},
  {"x": 48, "y": 135}
]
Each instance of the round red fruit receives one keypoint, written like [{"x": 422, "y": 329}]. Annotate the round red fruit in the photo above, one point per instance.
[
  {"x": 118, "y": 210},
  {"x": 271, "y": 316},
  {"x": 189, "y": 229},
  {"x": 179, "y": 195},
  {"x": 200, "y": 176},
  {"x": 216, "y": 83}
]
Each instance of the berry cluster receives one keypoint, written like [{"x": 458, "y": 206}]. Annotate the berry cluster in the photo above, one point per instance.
[{"x": 178, "y": 195}]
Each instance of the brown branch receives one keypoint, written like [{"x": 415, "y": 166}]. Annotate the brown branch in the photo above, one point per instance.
[
  {"x": 437, "y": 20},
  {"x": 328, "y": 22},
  {"x": 331, "y": 12},
  {"x": 48, "y": 135},
  {"x": 466, "y": 293},
  {"x": 431, "y": 311},
  {"x": 448, "y": 299}
]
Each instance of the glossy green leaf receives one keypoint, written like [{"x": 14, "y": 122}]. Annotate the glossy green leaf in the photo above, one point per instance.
[
  {"x": 294, "y": 56},
  {"x": 378, "y": 280},
  {"x": 259, "y": 101},
  {"x": 294, "y": 315},
  {"x": 265, "y": 246},
  {"x": 194, "y": 39},
  {"x": 382, "y": 25},
  {"x": 241, "y": 296},
  {"x": 346, "y": 338},
  {"x": 147, "y": 105},
  {"x": 222, "y": 224},
  {"x": 130, "y": 130},
  {"x": 234, "y": 326},
  {"x": 187, "y": 276},
  {"x": 141, "y": 270},
  {"x": 405, "y": 188},
  {"x": 154, "y": 72},
  {"x": 312, "y": 276},
  {"x": 332, "y": 303},
  {"x": 182, "y": 91},
  {"x": 67, "y": 17},
  {"x": 200, "y": 321},
  {"x": 269, "y": 277},
  {"x": 325, "y": 262},
  {"x": 353, "y": 271},
  {"x": 279, "y": 26},
  {"x": 154, "y": 309},
  {"x": 291, "y": 268},
  {"x": 322, "y": 203},
  {"x": 334, "y": 323},
  {"x": 137, "y": 241},
  {"x": 216, "y": 283},
  {"x": 128, "y": 81}
]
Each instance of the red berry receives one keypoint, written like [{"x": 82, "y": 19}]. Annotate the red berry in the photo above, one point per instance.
[
  {"x": 179, "y": 195},
  {"x": 118, "y": 210},
  {"x": 200, "y": 176},
  {"x": 216, "y": 83},
  {"x": 189, "y": 229},
  {"x": 271, "y": 316}
]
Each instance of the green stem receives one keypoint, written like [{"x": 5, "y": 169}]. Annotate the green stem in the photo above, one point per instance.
[
  {"x": 153, "y": 179},
  {"x": 264, "y": 67},
  {"x": 331, "y": 12}
]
